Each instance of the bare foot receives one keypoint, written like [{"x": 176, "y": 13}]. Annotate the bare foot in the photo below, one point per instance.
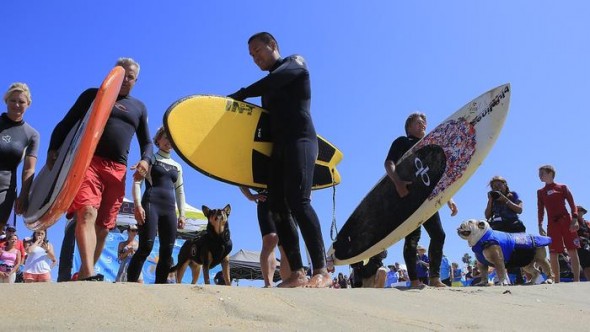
[
  {"x": 440, "y": 285},
  {"x": 435, "y": 282},
  {"x": 297, "y": 279},
  {"x": 417, "y": 284},
  {"x": 320, "y": 280}
]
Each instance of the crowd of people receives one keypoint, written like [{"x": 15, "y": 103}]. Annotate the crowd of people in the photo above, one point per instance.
[{"x": 284, "y": 209}]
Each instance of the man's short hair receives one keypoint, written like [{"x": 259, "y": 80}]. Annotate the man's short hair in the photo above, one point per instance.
[{"x": 264, "y": 37}]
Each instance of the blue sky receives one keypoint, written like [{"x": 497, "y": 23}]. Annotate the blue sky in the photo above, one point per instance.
[{"x": 371, "y": 65}]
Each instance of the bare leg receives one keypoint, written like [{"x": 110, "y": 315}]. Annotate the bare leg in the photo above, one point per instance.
[
  {"x": 575, "y": 260},
  {"x": 554, "y": 258},
  {"x": 587, "y": 273},
  {"x": 101, "y": 236},
  {"x": 543, "y": 263},
  {"x": 268, "y": 262},
  {"x": 86, "y": 238}
]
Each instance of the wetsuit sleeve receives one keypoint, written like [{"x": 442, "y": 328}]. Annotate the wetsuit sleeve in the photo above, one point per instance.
[
  {"x": 287, "y": 72},
  {"x": 75, "y": 113},
  {"x": 396, "y": 151},
  {"x": 179, "y": 189},
  {"x": 540, "y": 207},
  {"x": 143, "y": 137},
  {"x": 570, "y": 200},
  {"x": 137, "y": 192},
  {"x": 33, "y": 147}
]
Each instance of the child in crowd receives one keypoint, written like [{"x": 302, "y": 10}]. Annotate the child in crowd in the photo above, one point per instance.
[{"x": 561, "y": 226}]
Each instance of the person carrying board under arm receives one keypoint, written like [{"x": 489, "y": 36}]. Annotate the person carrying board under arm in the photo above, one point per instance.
[
  {"x": 416, "y": 130},
  {"x": 286, "y": 94},
  {"x": 98, "y": 201}
]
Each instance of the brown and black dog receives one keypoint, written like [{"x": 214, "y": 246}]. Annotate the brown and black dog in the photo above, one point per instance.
[{"x": 208, "y": 249}]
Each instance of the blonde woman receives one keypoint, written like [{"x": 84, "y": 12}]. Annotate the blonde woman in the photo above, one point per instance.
[{"x": 19, "y": 141}]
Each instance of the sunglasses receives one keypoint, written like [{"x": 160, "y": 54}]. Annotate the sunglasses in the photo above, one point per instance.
[{"x": 133, "y": 230}]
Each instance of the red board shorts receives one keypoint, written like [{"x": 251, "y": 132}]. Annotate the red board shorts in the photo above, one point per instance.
[
  {"x": 103, "y": 188},
  {"x": 559, "y": 231},
  {"x": 37, "y": 277}
]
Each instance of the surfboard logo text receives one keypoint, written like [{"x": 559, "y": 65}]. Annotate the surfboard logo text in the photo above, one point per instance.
[
  {"x": 422, "y": 172},
  {"x": 237, "y": 107},
  {"x": 490, "y": 108}
]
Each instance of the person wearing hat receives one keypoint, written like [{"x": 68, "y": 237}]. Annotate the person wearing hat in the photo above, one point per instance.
[
  {"x": 125, "y": 252},
  {"x": 584, "y": 235},
  {"x": 422, "y": 264}
]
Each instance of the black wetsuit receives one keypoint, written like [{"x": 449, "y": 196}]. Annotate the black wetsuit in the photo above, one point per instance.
[
  {"x": 433, "y": 225},
  {"x": 129, "y": 116},
  {"x": 17, "y": 139},
  {"x": 164, "y": 187},
  {"x": 286, "y": 94}
]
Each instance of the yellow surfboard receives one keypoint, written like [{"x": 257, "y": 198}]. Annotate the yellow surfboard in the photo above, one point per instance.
[{"x": 230, "y": 141}]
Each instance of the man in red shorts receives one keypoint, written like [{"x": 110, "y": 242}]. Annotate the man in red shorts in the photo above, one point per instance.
[
  {"x": 561, "y": 226},
  {"x": 97, "y": 203}
]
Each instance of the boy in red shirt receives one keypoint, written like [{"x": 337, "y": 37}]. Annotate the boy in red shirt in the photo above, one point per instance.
[{"x": 561, "y": 226}]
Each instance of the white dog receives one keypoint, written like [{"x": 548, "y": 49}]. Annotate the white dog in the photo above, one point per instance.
[{"x": 501, "y": 250}]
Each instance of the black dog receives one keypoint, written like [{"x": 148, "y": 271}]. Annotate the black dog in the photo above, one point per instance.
[{"x": 209, "y": 248}]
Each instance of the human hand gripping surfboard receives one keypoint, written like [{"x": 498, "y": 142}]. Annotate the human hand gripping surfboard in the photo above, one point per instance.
[
  {"x": 53, "y": 191},
  {"x": 230, "y": 141},
  {"x": 438, "y": 166}
]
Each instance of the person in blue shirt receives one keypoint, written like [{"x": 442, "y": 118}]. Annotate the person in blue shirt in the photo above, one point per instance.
[
  {"x": 445, "y": 271},
  {"x": 422, "y": 265},
  {"x": 392, "y": 276}
]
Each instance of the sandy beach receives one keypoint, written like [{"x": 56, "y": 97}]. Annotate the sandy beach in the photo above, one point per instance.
[{"x": 93, "y": 306}]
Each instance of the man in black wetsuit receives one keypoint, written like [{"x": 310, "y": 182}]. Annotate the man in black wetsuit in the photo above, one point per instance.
[
  {"x": 286, "y": 94},
  {"x": 98, "y": 201},
  {"x": 415, "y": 131}
]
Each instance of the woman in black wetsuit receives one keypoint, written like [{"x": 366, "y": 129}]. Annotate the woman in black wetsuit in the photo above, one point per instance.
[
  {"x": 157, "y": 211},
  {"x": 19, "y": 141}
]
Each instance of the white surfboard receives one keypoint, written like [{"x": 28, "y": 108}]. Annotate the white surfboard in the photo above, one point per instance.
[{"x": 438, "y": 166}]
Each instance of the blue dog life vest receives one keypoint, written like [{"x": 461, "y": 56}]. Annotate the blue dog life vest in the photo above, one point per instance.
[{"x": 508, "y": 242}]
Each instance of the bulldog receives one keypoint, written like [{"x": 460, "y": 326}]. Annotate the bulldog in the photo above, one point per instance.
[{"x": 506, "y": 250}]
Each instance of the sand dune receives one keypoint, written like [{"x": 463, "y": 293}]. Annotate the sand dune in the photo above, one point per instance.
[{"x": 91, "y": 306}]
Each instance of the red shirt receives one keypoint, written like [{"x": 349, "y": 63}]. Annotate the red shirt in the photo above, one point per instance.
[{"x": 553, "y": 197}]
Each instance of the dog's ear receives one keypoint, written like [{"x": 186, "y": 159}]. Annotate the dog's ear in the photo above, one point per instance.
[
  {"x": 481, "y": 224},
  {"x": 206, "y": 211},
  {"x": 227, "y": 209}
]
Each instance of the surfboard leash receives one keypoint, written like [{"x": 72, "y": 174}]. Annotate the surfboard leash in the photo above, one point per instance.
[{"x": 334, "y": 227}]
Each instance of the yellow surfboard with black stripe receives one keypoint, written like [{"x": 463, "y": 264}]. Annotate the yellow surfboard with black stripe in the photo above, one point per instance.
[{"x": 230, "y": 141}]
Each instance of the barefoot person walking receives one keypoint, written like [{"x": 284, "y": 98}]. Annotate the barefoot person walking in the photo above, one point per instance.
[{"x": 286, "y": 94}]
